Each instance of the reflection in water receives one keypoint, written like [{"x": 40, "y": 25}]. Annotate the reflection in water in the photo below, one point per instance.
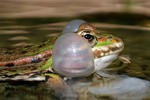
[
  {"x": 22, "y": 32},
  {"x": 122, "y": 86}
]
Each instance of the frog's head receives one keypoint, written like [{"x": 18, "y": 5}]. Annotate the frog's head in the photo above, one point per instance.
[
  {"x": 106, "y": 50},
  {"x": 105, "y": 47}
]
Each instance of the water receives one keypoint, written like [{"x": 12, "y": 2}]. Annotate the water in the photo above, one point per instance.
[{"x": 135, "y": 34}]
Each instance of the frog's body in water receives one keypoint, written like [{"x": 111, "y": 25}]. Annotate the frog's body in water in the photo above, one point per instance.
[{"x": 32, "y": 63}]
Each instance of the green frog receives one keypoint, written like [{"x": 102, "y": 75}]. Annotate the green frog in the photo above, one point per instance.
[{"x": 34, "y": 63}]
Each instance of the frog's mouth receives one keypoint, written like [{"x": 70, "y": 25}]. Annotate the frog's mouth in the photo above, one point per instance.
[{"x": 107, "y": 46}]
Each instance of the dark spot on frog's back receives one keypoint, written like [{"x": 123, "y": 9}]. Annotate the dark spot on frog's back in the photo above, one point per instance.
[
  {"x": 35, "y": 60},
  {"x": 10, "y": 64},
  {"x": 39, "y": 46},
  {"x": 23, "y": 52}
]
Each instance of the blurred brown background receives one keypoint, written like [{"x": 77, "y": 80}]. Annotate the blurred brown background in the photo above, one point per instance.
[{"x": 69, "y": 8}]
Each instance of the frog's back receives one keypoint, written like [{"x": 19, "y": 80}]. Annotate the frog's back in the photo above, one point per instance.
[{"x": 24, "y": 63}]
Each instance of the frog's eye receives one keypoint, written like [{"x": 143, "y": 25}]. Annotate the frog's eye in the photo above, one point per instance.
[{"x": 89, "y": 37}]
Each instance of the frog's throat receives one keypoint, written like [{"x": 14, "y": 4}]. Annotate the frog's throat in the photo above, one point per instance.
[{"x": 106, "y": 49}]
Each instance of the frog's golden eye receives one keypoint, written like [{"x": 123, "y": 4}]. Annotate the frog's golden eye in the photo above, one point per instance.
[{"x": 89, "y": 37}]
